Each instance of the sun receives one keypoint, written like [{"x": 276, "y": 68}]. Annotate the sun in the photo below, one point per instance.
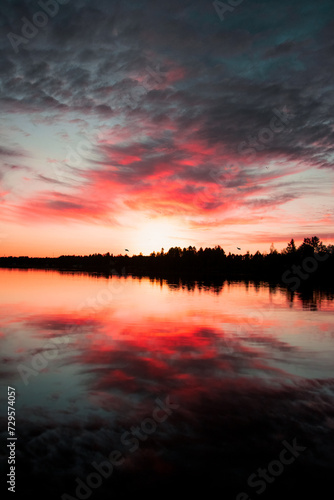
[{"x": 156, "y": 234}]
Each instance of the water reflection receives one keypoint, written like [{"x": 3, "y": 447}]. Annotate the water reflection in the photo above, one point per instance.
[{"x": 248, "y": 365}]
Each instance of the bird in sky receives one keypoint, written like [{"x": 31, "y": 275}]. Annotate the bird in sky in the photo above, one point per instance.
[
  {"x": 126, "y": 250},
  {"x": 238, "y": 248}
]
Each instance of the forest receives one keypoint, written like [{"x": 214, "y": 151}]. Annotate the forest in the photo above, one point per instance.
[{"x": 311, "y": 262}]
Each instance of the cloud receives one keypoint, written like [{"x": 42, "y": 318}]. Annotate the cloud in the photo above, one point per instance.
[{"x": 186, "y": 106}]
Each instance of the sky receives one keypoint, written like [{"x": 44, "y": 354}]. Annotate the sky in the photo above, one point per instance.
[{"x": 145, "y": 124}]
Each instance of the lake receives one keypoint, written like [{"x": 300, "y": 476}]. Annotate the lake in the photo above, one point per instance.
[{"x": 126, "y": 386}]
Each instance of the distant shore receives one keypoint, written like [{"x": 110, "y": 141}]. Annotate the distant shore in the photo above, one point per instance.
[{"x": 305, "y": 266}]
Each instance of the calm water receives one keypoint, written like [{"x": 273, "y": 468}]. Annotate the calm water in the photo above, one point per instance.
[{"x": 193, "y": 387}]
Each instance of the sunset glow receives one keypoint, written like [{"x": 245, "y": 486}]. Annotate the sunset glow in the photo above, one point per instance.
[{"x": 200, "y": 135}]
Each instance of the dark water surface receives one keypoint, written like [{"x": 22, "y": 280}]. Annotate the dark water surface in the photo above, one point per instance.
[{"x": 188, "y": 390}]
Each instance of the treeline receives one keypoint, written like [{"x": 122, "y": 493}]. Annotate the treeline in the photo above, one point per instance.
[{"x": 311, "y": 261}]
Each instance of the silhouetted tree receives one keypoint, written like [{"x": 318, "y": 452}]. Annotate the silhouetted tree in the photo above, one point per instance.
[
  {"x": 291, "y": 248},
  {"x": 210, "y": 262}
]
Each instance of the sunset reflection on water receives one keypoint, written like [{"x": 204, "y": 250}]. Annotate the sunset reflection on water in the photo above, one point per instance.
[{"x": 248, "y": 366}]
